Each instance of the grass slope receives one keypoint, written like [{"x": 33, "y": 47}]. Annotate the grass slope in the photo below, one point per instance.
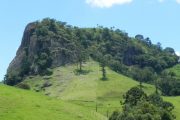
[
  {"x": 176, "y": 102},
  {"x": 17, "y": 104},
  {"x": 79, "y": 95},
  {"x": 87, "y": 90},
  {"x": 176, "y": 70}
]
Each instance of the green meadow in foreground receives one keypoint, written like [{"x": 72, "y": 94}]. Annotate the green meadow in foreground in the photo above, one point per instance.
[{"x": 17, "y": 104}]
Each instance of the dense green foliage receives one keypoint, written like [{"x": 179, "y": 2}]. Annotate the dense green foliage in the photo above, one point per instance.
[
  {"x": 23, "y": 86},
  {"x": 134, "y": 57},
  {"x": 169, "y": 83},
  {"x": 138, "y": 106}
]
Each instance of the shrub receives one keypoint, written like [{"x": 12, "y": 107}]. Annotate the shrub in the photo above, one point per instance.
[
  {"x": 46, "y": 84},
  {"x": 48, "y": 72},
  {"x": 24, "y": 86},
  {"x": 139, "y": 106}
]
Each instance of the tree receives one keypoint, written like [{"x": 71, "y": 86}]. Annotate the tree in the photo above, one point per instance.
[
  {"x": 169, "y": 85},
  {"x": 142, "y": 74},
  {"x": 81, "y": 55},
  {"x": 134, "y": 95},
  {"x": 156, "y": 82},
  {"x": 159, "y": 46},
  {"x": 43, "y": 62},
  {"x": 139, "y": 106},
  {"x": 148, "y": 41},
  {"x": 169, "y": 50},
  {"x": 103, "y": 71},
  {"x": 25, "y": 67},
  {"x": 12, "y": 78},
  {"x": 139, "y": 37},
  {"x": 103, "y": 62}
]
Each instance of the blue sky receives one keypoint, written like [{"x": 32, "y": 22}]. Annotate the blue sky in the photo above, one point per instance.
[{"x": 157, "y": 19}]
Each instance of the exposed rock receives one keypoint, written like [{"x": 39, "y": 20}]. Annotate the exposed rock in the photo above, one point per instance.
[
  {"x": 32, "y": 46},
  {"x": 26, "y": 41}
]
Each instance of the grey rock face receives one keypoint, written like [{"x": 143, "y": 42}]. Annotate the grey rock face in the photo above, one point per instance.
[
  {"x": 26, "y": 41},
  {"x": 30, "y": 47}
]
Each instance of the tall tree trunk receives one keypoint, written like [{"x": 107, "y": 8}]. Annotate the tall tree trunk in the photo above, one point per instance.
[
  {"x": 140, "y": 84},
  {"x": 80, "y": 65},
  {"x": 103, "y": 72}
]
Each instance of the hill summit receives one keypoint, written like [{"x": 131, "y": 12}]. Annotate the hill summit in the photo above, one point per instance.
[{"x": 50, "y": 43}]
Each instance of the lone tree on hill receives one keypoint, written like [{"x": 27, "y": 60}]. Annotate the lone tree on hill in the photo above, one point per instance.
[
  {"x": 103, "y": 62},
  {"x": 81, "y": 56}
]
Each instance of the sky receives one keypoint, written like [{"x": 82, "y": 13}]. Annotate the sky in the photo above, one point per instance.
[{"x": 157, "y": 19}]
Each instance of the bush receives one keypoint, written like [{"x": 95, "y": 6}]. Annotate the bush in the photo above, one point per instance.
[
  {"x": 46, "y": 84},
  {"x": 12, "y": 78},
  {"x": 48, "y": 72},
  {"x": 24, "y": 86},
  {"x": 139, "y": 106},
  {"x": 134, "y": 95}
]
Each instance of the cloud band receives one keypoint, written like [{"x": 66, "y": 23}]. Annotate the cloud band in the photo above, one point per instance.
[{"x": 107, "y": 3}]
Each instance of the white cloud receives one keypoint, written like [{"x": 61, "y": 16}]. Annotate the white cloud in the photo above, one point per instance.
[
  {"x": 177, "y": 53},
  {"x": 178, "y": 1},
  {"x": 107, "y": 3}
]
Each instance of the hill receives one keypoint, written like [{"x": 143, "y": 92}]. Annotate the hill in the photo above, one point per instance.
[
  {"x": 88, "y": 69},
  {"x": 17, "y": 104},
  {"x": 50, "y": 43},
  {"x": 86, "y": 89}
]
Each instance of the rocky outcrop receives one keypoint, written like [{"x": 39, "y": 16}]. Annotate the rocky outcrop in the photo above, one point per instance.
[
  {"x": 26, "y": 41},
  {"x": 33, "y": 45}
]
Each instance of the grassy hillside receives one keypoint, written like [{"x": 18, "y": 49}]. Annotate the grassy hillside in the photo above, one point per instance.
[
  {"x": 73, "y": 95},
  {"x": 87, "y": 89},
  {"x": 16, "y": 104},
  {"x": 176, "y": 103},
  {"x": 176, "y": 70}
]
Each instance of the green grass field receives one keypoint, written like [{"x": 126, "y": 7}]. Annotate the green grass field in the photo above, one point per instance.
[
  {"x": 176, "y": 102},
  {"x": 17, "y": 104},
  {"x": 72, "y": 95},
  {"x": 87, "y": 90}
]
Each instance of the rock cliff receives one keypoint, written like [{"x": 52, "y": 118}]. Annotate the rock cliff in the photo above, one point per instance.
[{"x": 42, "y": 47}]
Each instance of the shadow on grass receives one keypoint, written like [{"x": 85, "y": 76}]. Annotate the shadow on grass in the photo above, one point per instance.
[
  {"x": 104, "y": 79},
  {"x": 81, "y": 72}
]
